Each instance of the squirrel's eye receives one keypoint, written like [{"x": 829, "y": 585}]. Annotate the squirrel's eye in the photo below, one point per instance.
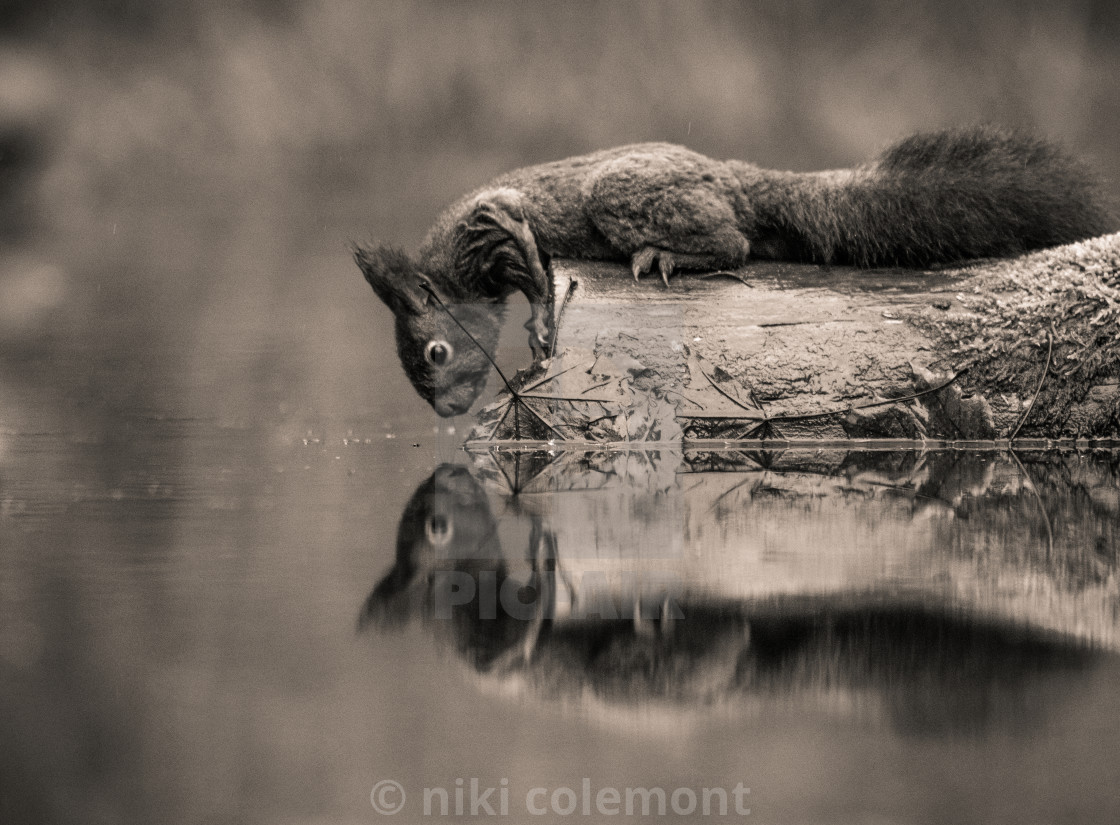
[
  {"x": 438, "y": 529},
  {"x": 438, "y": 352}
]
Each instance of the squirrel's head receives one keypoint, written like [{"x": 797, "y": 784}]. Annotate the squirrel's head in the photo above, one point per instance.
[
  {"x": 447, "y": 525},
  {"x": 447, "y": 368}
]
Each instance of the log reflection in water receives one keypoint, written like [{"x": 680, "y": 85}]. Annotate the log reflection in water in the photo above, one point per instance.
[{"x": 940, "y": 589}]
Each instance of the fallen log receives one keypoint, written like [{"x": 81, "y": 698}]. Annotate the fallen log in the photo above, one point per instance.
[{"x": 1020, "y": 348}]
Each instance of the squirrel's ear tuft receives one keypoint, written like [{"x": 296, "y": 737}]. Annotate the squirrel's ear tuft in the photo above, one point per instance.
[{"x": 394, "y": 277}]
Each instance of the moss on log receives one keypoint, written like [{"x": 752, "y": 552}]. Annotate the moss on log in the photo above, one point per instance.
[{"x": 1026, "y": 347}]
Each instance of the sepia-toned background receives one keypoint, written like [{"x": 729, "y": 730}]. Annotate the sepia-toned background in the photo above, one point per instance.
[{"x": 185, "y": 348}]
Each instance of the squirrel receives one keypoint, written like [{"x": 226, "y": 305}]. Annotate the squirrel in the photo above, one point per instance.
[{"x": 931, "y": 199}]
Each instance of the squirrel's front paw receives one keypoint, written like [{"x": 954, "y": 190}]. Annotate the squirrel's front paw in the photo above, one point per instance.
[
  {"x": 642, "y": 262},
  {"x": 540, "y": 332}
]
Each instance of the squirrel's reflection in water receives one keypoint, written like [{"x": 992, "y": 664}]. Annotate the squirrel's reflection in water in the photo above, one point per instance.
[{"x": 518, "y": 620}]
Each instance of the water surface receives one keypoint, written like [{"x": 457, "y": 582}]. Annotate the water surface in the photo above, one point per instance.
[{"x": 236, "y": 617}]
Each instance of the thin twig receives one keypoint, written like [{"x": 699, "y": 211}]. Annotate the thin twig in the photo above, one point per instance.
[
  {"x": 439, "y": 301},
  {"x": 600, "y": 384},
  {"x": 803, "y": 323},
  {"x": 724, "y": 273},
  {"x": 548, "y": 378},
  {"x": 749, "y": 478},
  {"x": 1041, "y": 506},
  {"x": 560, "y": 316},
  {"x": 515, "y": 396},
  {"x": 591, "y": 421},
  {"x": 502, "y": 470},
  {"x": 565, "y": 398},
  {"x": 872, "y": 404},
  {"x": 809, "y": 416},
  {"x": 746, "y": 415},
  {"x": 1041, "y": 381},
  {"x": 501, "y": 420},
  {"x": 685, "y": 397},
  {"x": 728, "y": 396},
  {"x": 536, "y": 415}
]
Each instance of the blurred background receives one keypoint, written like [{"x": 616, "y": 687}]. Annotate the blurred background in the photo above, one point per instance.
[{"x": 183, "y": 333}]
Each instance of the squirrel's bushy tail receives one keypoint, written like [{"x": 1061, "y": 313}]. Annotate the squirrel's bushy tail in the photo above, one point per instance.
[{"x": 951, "y": 196}]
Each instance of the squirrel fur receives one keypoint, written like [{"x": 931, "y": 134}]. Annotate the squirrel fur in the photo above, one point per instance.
[{"x": 931, "y": 199}]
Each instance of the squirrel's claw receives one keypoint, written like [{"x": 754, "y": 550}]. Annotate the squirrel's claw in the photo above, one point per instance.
[
  {"x": 642, "y": 262},
  {"x": 540, "y": 333},
  {"x": 665, "y": 264}
]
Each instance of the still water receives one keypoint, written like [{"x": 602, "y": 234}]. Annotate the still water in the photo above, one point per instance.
[
  {"x": 246, "y": 576},
  {"x": 258, "y": 614}
]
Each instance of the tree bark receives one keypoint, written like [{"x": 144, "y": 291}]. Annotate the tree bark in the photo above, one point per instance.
[{"x": 1020, "y": 348}]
